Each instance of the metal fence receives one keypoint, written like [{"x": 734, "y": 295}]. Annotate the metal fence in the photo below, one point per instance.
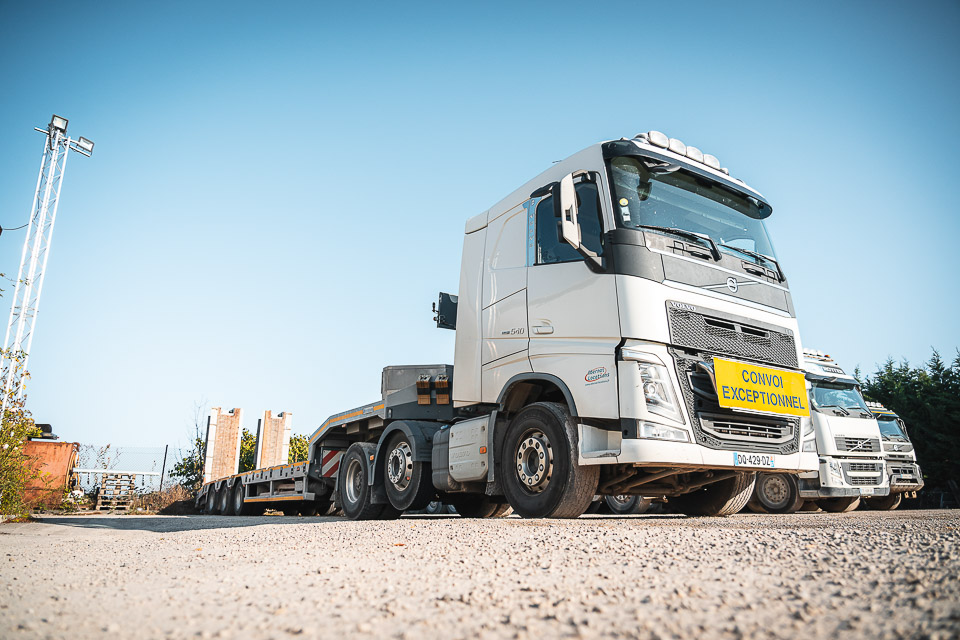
[{"x": 151, "y": 466}]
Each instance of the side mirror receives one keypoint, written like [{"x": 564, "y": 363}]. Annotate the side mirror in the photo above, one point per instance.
[{"x": 569, "y": 226}]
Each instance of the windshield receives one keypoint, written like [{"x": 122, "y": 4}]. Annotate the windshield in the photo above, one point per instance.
[
  {"x": 681, "y": 200},
  {"x": 890, "y": 428},
  {"x": 840, "y": 398}
]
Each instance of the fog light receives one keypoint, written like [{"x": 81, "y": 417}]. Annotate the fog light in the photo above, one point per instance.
[{"x": 655, "y": 431}]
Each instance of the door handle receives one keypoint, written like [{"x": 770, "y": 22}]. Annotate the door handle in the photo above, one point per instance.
[{"x": 542, "y": 329}]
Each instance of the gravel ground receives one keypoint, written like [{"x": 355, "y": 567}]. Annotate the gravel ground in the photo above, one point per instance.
[{"x": 863, "y": 575}]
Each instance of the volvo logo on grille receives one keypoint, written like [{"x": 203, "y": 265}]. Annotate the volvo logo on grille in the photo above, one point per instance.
[
  {"x": 683, "y": 305},
  {"x": 732, "y": 284}
]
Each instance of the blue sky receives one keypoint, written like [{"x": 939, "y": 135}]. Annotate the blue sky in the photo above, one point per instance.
[{"x": 278, "y": 190}]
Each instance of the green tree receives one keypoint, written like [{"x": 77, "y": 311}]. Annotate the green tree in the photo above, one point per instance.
[
  {"x": 298, "y": 449},
  {"x": 189, "y": 469},
  {"x": 248, "y": 451},
  {"x": 16, "y": 426},
  {"x": 928, "y": 400}
]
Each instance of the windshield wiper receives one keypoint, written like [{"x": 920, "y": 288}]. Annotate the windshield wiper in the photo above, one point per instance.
[
  {"x": 702, "y": 238},
  {"x": 834, "y": 406},
  {"x": 759, "y": 256}
]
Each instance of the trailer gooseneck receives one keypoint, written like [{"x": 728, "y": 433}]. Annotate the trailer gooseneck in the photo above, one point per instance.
[{"x": 623, "y": 327}]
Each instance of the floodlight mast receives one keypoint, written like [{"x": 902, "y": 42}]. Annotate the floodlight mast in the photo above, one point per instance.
[{"x": 36, "y": 251}]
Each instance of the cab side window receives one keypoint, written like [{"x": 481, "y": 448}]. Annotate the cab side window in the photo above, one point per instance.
[{"x": 550, "y": 246}]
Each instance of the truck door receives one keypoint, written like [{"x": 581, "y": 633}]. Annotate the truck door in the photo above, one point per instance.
[
  {"x": 503, "y": 352},
  {"x": 574, "y": 321}
]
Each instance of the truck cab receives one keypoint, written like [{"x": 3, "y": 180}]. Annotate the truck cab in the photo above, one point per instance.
[
  {"x": 900, "y": 458},
  {"x": 848, "y": 439},
  {"x": 634, "y": 285}
]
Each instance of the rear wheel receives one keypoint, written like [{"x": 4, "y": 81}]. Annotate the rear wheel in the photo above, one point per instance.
[
  {"x": 210, "y": 505},
  {"x": 839, "y": 505},
  {"x": 886, "y": 503},
  {"x": 240, "y": 507},
  {"x": 541, "y": 477},
  {"x": 224, "y": 501},
  {"x": 722, "y": 498},
  {"x": 622, "y": 505},
  {"x": 778, "y": 493},
  {"x": 407, "y": 482},
  {"x": 472, "y": 505},
  {"x": 355, "y": 492}
]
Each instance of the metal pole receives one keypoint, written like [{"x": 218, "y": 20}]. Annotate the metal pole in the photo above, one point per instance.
[{"x": 164, "y": 467}]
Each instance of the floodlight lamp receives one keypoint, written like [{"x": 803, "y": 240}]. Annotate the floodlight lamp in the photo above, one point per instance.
[
  {"x": 85, "y": 145},
  {"x": 58, "y": 123}
]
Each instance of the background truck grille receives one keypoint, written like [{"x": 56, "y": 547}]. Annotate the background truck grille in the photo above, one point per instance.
[
  {"x": 730, "y": 337},
  {"x": 717, "y": 428},
  {"x": 874, "y": 468},
  {"x": 866, "y": 445},
  {"x": 899, "y": 457}
]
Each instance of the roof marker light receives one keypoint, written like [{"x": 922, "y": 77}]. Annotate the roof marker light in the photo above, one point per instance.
[
  {"x": 659, "y": 139},
  {"x": 694, "y": 154},
  {"x": 677, "y": 147},
  {"x": 711, "y": 161}
]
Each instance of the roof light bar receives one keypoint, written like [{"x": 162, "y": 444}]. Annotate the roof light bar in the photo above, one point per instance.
[{"x": 659, "y": 139}]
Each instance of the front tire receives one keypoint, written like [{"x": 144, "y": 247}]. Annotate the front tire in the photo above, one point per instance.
[
  {"x": 408, "y": 483},
  {"x": 722, "y": 498},
  {"x": 839, "y": 505},
  {"x": 886, "y": 503},
  {"x": 541, "y": 477},
  {"x": 778, "y": 493}
]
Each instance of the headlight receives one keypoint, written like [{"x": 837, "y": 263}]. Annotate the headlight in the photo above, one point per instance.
[
  {"x": 661, "y": 432},
  {"x": 657, "y": 388},
  {"x": 810, "y": 445}
]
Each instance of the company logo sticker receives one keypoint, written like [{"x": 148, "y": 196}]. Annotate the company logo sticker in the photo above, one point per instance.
[{"x": 597, "y": 375}]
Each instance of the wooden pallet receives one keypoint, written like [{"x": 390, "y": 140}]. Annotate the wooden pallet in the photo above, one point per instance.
[{"x": 117, "y": 491}]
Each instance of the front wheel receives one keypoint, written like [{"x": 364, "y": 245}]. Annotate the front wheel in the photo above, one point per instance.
[
  {"x": 722, "y": 498},
  {"x": 541, "y": 477},
  {"x": 621, "y": 505},
  {"x": 886, "y": 503},
  {"x": 839, "y": 505},
  {"x": 778, "y": 493}
]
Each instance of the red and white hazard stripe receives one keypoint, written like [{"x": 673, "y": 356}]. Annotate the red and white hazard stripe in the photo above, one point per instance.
[{"x": 330, "y": 463}]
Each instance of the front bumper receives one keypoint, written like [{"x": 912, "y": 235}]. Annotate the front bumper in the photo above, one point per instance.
[
  {"x": 662, "y": 453},
  {"x": 836, "y": 479},
  {"x": 904, "y": 477}
]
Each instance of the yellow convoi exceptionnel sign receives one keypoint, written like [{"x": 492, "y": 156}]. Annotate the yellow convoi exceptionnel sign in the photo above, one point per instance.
[{"x": 755, "y": 388}]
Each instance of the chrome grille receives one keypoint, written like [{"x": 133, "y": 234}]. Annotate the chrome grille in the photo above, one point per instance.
[
  {"x": 740, "y": 429},
  {"x": 858, "y": 444},
  {"x": 728, "y": 337}
]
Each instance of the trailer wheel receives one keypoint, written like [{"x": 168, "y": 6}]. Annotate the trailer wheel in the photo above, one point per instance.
[
  {"x": 210, "y": 503},
  {"x": 839, "y": 505},
  {"x": 353, "y": 487},
  {"x": 472, "y": 505},
  {"x": 240, "y": 507},
  {"x": 621, "y": 505},
  {"x": 224, "y": 503},
  {"x": 541, "y": 477},
  {"x": 778, "y": 493},
  {"x": 407, "y": 482},
  {"x": 722, "y": 498},
  {"x": 886, "y": 503}
]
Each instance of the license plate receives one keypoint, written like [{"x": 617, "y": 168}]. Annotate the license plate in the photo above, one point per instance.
[
  {"x": 866, "y": 491},
  {"x": 753, "y": 460},
  {"x": 741, "y": 385}
]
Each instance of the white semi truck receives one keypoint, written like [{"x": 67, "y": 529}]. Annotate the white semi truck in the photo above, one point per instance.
[
  {"x": 623, "y": 327},
  {"x": 847, "y": 440},
  {"x": 900, "y": 458}
]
